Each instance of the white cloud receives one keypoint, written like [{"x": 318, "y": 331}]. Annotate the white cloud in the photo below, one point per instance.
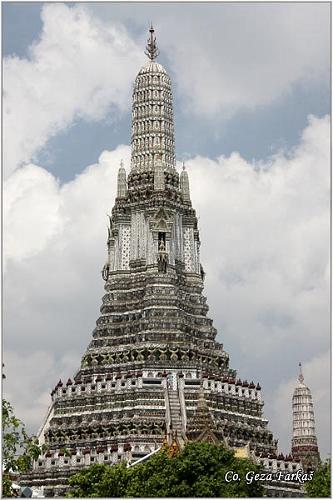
[
  {"x": 266, "y": 242},
  {"x": 42, "y": 190},
  {"x": 231, "y": 57},
  {"x": 80, "y": 68},
  {"x": 46, "y": 268},
  {"x": 265, "y": 248},
  {"x": 237, "y": 57}
]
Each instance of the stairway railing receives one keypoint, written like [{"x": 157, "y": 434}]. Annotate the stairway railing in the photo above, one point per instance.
[
  {"x": 182, "y": 408},
  {"x": 167, "y": 411}
]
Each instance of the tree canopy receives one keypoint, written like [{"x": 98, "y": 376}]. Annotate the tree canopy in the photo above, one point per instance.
[
  {"x": 18, "y": 449},
  {"x": 197, "y": 471},
  {"x": 320, "y": 486}
]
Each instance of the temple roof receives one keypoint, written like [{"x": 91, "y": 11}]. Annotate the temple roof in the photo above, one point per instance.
[{"x": 203, "y": 427}]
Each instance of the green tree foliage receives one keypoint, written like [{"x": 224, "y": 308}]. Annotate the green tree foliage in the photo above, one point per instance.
[
  {"x": 18, "y": 449},
  {"x": 320, "y": 486},
  {"x": 197, "y": 471}
]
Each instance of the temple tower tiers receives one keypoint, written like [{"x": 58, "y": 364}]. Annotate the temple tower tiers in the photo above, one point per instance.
[
  {"x": 304, "y": 445},
  {"x": 153, "y": 364}
]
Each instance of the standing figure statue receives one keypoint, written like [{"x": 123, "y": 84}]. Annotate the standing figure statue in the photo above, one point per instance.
[{"x": 162, "y": 257}]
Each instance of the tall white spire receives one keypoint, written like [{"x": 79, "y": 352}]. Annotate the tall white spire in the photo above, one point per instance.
[
  {"x": 304, "y": 441},
  {"x": 152, "y": 115}
]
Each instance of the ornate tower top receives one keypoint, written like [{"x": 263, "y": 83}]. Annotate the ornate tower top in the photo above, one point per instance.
[
  {"x": 304, "y": 441},
  {"x": 152, "y": 116},
  {"x": 151, "y": 50}
]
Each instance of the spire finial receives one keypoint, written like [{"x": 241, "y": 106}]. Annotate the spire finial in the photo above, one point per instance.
[
  {"x": 183, "y": 165},
  {"x": 300, "y": 376},
  {"x": 121, "y": 162},
  {"x": 151, "y": 49}
]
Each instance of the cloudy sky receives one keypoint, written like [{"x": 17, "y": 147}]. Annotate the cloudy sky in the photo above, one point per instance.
[{"x": 251, "y": 104}]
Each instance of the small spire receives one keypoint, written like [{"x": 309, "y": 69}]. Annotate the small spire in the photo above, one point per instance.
[
  {"x": 300, "y": 376},
  {"x": 184, "y": 184},
  {"x": 122, "y": 182},
  {"x": 151, "y": 49}
]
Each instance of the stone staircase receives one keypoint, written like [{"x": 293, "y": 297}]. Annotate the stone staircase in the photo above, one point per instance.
[{"x": 175, "y": 415}]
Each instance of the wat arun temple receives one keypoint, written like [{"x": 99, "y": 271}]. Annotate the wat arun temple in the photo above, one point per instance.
[{"x": 153, "y": 372}]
